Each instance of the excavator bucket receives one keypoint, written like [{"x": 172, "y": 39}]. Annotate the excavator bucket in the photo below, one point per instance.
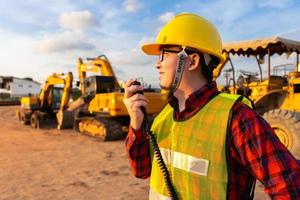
[{"x": 65, "y": 119}]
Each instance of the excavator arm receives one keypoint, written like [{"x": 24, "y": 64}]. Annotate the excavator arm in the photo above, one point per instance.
[{"x": 67, "y": 91}]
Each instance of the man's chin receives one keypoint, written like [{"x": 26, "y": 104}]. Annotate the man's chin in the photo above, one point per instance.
[{"x": 164, "y": 87}]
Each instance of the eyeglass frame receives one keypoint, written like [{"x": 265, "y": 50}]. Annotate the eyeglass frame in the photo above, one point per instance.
[{"x": 187, "y": 50}]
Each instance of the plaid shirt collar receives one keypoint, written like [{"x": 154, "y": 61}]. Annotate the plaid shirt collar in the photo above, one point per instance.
[{"x": 195, "y": 101}]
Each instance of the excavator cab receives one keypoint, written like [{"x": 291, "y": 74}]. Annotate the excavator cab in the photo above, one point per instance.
[
  {"x": 51, "y": 100},
  {"x": 99, "y": 84},
  {"x": 55, "y": 98}
]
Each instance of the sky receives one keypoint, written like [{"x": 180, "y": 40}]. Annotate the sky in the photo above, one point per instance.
[{"x": 39, "y": 38}]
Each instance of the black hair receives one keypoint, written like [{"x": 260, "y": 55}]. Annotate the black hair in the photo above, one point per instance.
[{"x": 206, "y": 68}]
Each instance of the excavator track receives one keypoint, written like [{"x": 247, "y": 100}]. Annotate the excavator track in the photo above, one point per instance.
[{"x": 103, "y": 128}]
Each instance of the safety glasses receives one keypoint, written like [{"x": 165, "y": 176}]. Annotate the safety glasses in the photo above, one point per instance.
[
  {"x": 163, "y": 51},
  {"x": 187, "y": 51}
]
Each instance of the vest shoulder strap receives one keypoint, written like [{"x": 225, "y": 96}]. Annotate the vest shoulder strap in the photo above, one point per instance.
[{"x": 239, "y": 98}]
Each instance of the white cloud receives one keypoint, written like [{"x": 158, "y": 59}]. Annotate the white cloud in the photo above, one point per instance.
[
  {"x": 134, "y": 64},
  {"x": 21, "y": 60},
  {"x": 146, "y": 39},
  {"x": 73, "y": 39},
  {"x": 168, "y": 16},
  {"x": 228, "y": 13},
  {"x": 131, "y": 5},
  {"x": 17, "y": 51},
  {"x": 64, "y": 42},
  {"x": 133, "y": 57},
  {"x": 77, "y": 20},
  {"x": 292, "y": 34},
  {"x": 154, "y": 25},
  {"x": 264, "y": 25},
  {"x": 220, "y": 12},
  {"x": 275, "y": 3}
]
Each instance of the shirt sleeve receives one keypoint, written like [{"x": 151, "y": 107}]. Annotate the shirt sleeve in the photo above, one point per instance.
[
  {"x": 137, "y": 147},
  {"x": 260, "y": 151}
]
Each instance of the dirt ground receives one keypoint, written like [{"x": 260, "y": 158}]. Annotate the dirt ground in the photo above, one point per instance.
[{"x": 49, "y": 164}]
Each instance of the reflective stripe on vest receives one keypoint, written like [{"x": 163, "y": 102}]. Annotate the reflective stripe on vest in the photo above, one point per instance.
[
  {"x": 194, "y": 151},
  {"x": 156, "y": 196},
  {"x": 185, "y": 162}
]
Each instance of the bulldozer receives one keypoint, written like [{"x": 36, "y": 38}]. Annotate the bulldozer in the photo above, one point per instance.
[
  {"x": 276, "y": 97},
  {"x": 35, "y": 110},
  {"x": 100, "y": 112}
]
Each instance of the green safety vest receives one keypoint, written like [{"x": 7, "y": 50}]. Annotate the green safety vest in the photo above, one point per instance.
[{"x": 194, "y": 151}]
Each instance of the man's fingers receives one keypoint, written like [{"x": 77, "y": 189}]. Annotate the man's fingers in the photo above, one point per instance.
[
  {"x": 136, "y": 105},
  {"x": 129, "y": 82},
  {"x": 135, "y": 98},
  {"x": 131, "y": 89},
  {"x": 138, "y": 97},
  {"x": 134, "y": 88},
  {"x": 133, "y": 101}
]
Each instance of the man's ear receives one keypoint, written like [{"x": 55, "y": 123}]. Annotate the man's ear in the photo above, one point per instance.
[{"x": 195, "y": 60}]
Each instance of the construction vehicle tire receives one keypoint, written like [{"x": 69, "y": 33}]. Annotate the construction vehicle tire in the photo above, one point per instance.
[
  {"x": 24, "y": 119},
  {"x": 286, "y": 125},
  {"x": 35, "y": 121}
]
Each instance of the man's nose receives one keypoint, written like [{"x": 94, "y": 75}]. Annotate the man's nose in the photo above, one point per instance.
[{"x": 158, "y": 64}]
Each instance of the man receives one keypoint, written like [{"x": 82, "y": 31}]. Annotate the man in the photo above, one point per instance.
[{"x": 213, "y": 144}]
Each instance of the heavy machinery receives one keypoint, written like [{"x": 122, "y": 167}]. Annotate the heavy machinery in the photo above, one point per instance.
[
  {"x": 37, "y": 109},
  {"x": 276, "y": 97},
  {"x": 103, "y": 114}
]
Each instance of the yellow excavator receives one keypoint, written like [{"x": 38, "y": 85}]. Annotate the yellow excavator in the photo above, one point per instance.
[
  {"x": 275, "y": 96},
  {"x": 100, "y": 112},
  {"x": 37, "y": 109}
]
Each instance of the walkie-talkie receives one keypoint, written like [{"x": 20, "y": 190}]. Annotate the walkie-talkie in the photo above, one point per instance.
[
  {"x": 140, "y": 92},
  {"x": 157, "y": 153}
]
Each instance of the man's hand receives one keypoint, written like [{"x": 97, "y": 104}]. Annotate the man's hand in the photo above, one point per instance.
[{"x": 133, "y": 102}]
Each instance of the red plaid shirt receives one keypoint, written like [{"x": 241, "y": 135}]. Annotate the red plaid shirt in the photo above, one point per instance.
[{"x": 254, "y": 151}]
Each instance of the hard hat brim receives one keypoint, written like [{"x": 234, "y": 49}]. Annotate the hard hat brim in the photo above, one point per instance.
[
  {"x": 154, "y": 48},
  {"x": 151, "y": 48}
]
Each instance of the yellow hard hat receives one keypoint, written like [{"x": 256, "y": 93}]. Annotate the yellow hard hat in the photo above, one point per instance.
[{"x": 189, "y": 30}]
